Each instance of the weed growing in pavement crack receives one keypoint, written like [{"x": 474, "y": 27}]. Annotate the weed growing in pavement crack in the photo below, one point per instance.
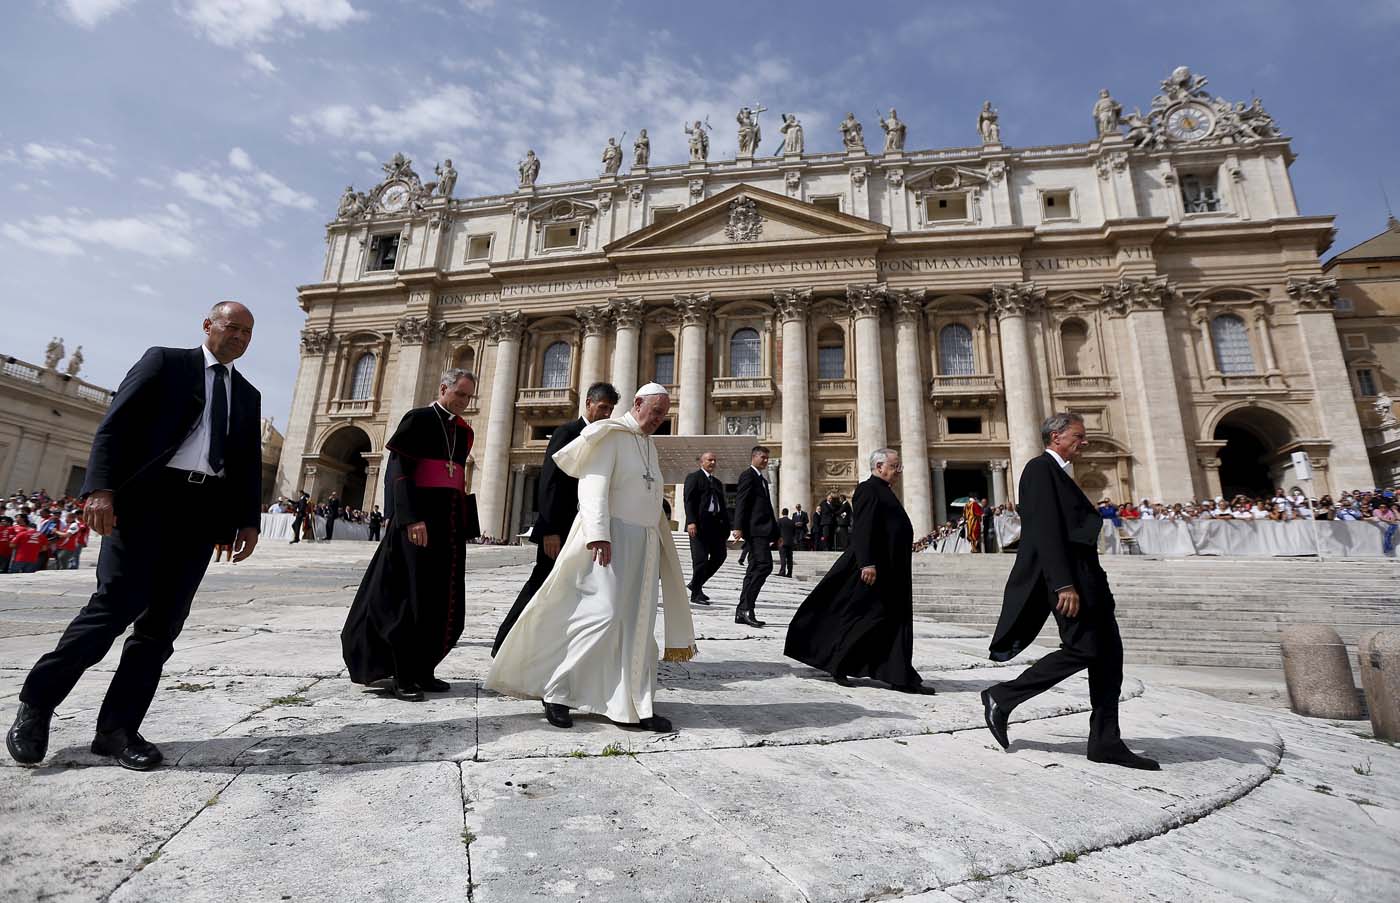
[
  {"x": 615, "y": 749},
  {"x": 1363, "y": 770},
  {"x": 578, "y": 754},
  {"x": 1069, "y": 856},
  {"x": 192, "y": 688},
  {"x": 294, "y": 699},
  {"x": 1323, "y": 788},
  {"x": 147, "y": 860},
  {"x": 468, "y": 838},
  {"x": 212, "y": 801}
]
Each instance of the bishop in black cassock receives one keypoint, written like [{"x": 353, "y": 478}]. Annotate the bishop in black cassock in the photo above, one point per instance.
[
  {"x": 408, "y": 613},
  {"x": 859, "y": 620}
]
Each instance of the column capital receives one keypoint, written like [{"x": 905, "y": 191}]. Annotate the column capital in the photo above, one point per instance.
[
  {"x": 906, "y": 304},
  {"x": 316, "y": 341},
  {"x": 1313, "y": 293},
  {"x": 1141, "y": 293},
  {"x": 865, "y": 300},
  {"x": 506, "y": 326},
  {"x": 999, "y": 465},
  {"x": 626, "y": 312},
  {"x": 419, "y": 330},
  {"x": 695, "y": 309},
  {"x": 792, "y": 303},
  {"x": 1016, "y": 299},
  {"x": 594, "y": 319},
  {"x": 938, "y": 464}
]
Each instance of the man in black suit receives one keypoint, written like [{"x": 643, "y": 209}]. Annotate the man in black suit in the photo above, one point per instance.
[
  {"x": 333, "y": 509},
  {"x": 556, "y": 497},
  {"x": 799, "y": 523},
  {"x": 707, "y": 525},
  {"x": 755, "y": 524},
  {"x": 1057, "y": 565},
  {"x": 826, "y": 523},
  {"x": 787, "y": 532},
  {"x": 299, "y": 508},
  {"x": 376, "y": 523},
  {"x": 184, "y": 428}
]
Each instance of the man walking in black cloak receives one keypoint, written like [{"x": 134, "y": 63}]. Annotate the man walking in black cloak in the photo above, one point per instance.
[
  {"x": 556, "y": 499},
  {"x": 859, "y": 620},
  {"x": 1057, "y": 565},
  {"x": 408, "y": 612}
]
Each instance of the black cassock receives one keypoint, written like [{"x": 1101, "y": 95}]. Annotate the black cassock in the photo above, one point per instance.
[
  {"x": 408, "y": 613},
  {"x": 846, "y": 627}
]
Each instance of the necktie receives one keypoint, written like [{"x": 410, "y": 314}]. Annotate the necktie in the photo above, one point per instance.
[{"x": 218, "y": 419}]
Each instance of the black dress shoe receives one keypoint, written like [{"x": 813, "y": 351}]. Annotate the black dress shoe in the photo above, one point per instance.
[
  {"x": 558, "y": 714},
  {"x": 916, "y": 689},
  {"x": 408, "y": 692},
  {"x": 746, "y": 617},
  {"x": 129, "y": 748},
  {"x": 699, "y": 600},
  {"x": 996, "y": 719},
  {"x": 433, "y": 685},
  {"x": 842, "y": 680},
  {"x": 28, "y": 738},
  {"x": 656, "y": 723},
  {"x": 1126, "y": 758}
]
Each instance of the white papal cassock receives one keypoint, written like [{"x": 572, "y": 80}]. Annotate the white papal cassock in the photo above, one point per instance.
[{"x": 586, "y": 640}]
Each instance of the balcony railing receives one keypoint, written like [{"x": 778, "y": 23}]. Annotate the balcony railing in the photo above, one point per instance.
[
  {"x": 1083, "y": 384},
  {"x": 976, "y": 390},
  {"x": 733, "y": 391},
  {"x": 51, "y": 382},
  {"x": 22, "y": 371},
  {"x": 352, "y": 407},
  {"x": 836, "y": 388},
  {"x": 542, "y": 402}
]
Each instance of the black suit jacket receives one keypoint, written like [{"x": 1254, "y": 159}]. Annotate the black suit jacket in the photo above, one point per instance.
[
  {"x": 557, "y": 495},
  {"x": 156, "y": 407},
  {"x": 787, "y": 530},
  {"x": 1059, "y": 546},
  {"x": 753, "y": 510},
  {"x": 700, "y": 487}
]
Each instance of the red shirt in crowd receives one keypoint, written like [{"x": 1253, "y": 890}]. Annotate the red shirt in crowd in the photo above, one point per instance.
[
  {"x": 5, "y": 534},
  {"x": 71, "y": 541},
  {"x": 27, "y": 545}
]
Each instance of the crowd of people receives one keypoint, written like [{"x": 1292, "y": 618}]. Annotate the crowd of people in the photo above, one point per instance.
[
  {"x": 1292, "y": 504},
  {"x": 38, "y": 533}
]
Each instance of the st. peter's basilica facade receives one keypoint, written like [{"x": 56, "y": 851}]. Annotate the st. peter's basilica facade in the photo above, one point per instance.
[{"x": 1159, "y": 279}]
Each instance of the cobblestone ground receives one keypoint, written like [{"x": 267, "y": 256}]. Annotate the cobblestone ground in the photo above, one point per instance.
[{"x": 286, "y": 782}]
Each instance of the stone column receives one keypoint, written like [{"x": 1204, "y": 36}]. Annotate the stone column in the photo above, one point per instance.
[
  {"x": 797, "y": 409},
  {"x": 305, "y": 400},
  {"x": 627, "y": 322},
  {"x": 1314, "y": 298},
  {"x": 415, "y": 332},
  {"x": 1211, "y": 466},
  {"x": 1013, "y": 302},
  {"x": 1168, "y": 462},
  {"x": 590, "y": 366},
  {"x": 870, "y": 374},
  {"x": 999, "y": 482},
  {"x": 940, "y": 494},
  {"x": 1261, "y": 326},
  {"x": 695, "y": 350},
  {"x": 505, "y": 330},
  {"x": 913, "y": 433},
  {"x": 517, "y": 500}
]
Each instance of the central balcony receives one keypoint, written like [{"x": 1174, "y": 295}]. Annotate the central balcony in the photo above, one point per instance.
[
  {"x": 1081, "y": 384},
  {"x": 352, "y": 407},
  {"x": 976, "y": 390},
  {"x": 742, "y": 391},
  {"x": 547, "y": 404},
  {"x": 835, "y": 388}
]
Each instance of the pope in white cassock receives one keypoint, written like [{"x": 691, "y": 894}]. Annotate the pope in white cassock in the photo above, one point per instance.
[{"x": 586, "y": 640}]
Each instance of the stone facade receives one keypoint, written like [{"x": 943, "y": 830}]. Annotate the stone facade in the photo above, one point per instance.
[
  {"x": 1163, "y": 283},
  {"x": 47, "y": 421}
]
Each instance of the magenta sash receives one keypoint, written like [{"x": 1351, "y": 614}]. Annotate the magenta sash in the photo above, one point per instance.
[{"x": 431, "y": 473}]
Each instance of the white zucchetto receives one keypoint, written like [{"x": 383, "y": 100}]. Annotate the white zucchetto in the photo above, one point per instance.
[{"x": 652, "y": 389}]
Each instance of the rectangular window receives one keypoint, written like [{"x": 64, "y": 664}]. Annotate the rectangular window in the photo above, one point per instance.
[
  {"x": 830, "y": 202},
  {"x": 1356, "y": 342},
  {"x": 479, "y": 247},
  {"x": 1200, "y": 193},
  {"x": 383, "y": 251},
  {"x": 542, "y": 433},
  {"x": 563, "y": 235},
  {"x": 964, "y": 426},
  {"x": 832, "y": 424},
  {"x": 664, "y": 429},
  {"x": 663, "y": 215},
  {"x": 947, "y": 208},
  {"x": 831, "y": 362},
  {"x": 1055, "y": 205},
  {"x": 1344, "y": 306},
  {"x": 1366, "y": 382},
  {"x": 664, "y": 368}
]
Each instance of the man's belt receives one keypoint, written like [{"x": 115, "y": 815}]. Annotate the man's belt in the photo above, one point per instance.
[{"x": 197, "y": 477}]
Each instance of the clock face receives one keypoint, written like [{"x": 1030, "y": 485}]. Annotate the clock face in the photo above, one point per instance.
[
  {"x": 1189, "y": 122},
  {"x": 394, "y": 198}
]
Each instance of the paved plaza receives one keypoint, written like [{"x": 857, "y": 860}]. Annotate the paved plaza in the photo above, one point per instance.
[{"x": 286, "y": 782}]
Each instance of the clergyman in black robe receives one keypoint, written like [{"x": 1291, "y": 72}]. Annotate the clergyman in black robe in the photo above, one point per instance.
[
  {"x": 1057, "y": 568},
  {"x": 859, "y": 620},
  {"x": 408, "y": 612}
]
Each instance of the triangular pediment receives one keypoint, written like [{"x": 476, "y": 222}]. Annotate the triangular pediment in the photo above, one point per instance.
[{"x": 746, "y": 217}]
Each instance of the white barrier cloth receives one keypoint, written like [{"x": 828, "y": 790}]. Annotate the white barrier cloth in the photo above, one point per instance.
[{"x": 1242, "y": 538}]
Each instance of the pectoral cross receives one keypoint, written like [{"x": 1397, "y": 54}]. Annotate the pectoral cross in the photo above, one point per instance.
[
  {"x": 649, "y": 479},
  {"x": 451, "y": 469}
]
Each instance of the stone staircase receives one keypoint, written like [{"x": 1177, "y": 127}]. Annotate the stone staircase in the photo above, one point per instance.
[{"x": 1200, "y": 612}]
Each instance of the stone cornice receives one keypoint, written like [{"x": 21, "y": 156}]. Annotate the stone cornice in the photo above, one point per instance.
[{"x": 1313, "y": 292}]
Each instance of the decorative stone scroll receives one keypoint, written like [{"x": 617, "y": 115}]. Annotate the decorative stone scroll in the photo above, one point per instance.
[
  {"x": 1142, "y": 293},
  {"x": 419, "y": 330},
  {"x": 906, "y": 304},
  {"x": 865, "y": 300},
  {"x": 626, "y": 313},
  {"x": 694, "y": 309},
  {"x": 594, "y": 319},
  {"x": 507, "y": 326},
  {"x": 1017, "y": 299},
  {"x": 1313, "y": 293},
  {"x": 316, "y": 341},
  {"x": 792, "y": 303},
  {"x": 744, "y": 425}
]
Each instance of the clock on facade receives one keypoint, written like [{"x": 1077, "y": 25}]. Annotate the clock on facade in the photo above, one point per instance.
[
  {"x": 1189, "y": 122},
  {"x": 394, "y": 198}
]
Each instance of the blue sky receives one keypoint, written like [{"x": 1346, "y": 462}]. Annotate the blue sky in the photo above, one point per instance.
[{"x": 157, "y": 155}]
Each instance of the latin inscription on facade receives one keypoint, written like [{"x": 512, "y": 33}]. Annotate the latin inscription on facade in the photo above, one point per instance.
[
  {"x": 466, "y": 299},
  {"x": 558, "y": 287}
]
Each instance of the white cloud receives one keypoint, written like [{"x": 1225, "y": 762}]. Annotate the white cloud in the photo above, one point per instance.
[
  {"x": 144, "y": 289},
  {"x": 238, "y": 158},
  {"x": 42, "y": 156},
  {"x": 366, "y": 157},
  {"x": 161, "y": 235},
  {"x": 446, "y": 109},
  {"x": 259, "y": 62},
  {"x": 88, "y": 13},
  {"x": 230, "y": 23},
  {"x": 244, "y": 194}
]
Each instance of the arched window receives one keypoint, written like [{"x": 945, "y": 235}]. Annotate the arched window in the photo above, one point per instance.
[
  {"x": 831, "y": 353},
  {"x": 955, "y": 350},
  {"x": 1074, "y": 343},
  {"x": 556, "y": 366},
  {"x": 1231, "y": 338},
  {"x": 465, "y": 358},
  {"x": 362, "y": 382},
  {"x": 744, "y": 357}
]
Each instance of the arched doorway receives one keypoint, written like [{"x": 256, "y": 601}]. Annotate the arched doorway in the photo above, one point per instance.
[
  {"x": 1252, "y": 460},
  {"x": 343, "y": 454}
]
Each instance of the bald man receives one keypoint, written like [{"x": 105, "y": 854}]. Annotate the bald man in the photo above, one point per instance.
[{"x": 183, "y": 434}]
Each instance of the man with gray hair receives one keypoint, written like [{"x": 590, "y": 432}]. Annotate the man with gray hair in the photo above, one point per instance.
[
  {"x": 1057, "y": 567},
  {"x": 409, "y": 610}
]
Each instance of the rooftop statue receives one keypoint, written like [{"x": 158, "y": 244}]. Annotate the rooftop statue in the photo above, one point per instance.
[
  {"x": 75, "y": 362},
  {"x": 447, "y": 178},
  {"x": 894, "y": 132},
  {"x": 852, "y": 134},
  {"x": 641, "y": 150},
  {"x": 792, "y": 134},
  {"x": 750, "y": 134},
  {"x": 699, "y": 142},
  {"x": 1108, "y": 114},
  {"x": 529, "y": 169},
  {"x": 612, "y": 158},
  {"x": 53, "y": 353},
  {"x": 987, "y": 124}
]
